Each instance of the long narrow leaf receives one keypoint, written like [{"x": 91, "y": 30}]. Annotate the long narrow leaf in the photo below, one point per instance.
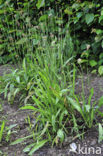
[
  {"x": 1, "y": 131},
  {"x": 37, "y": 146},
  {"x": 21, "y": 140},
  {"x": 75, "y": 105}
]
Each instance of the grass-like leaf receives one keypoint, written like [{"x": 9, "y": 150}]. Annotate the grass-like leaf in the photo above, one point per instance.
[
  {"x": 37, "y": 146},
  {"x": 20, "y": 140},
  {"x": 1, "y": 130}
]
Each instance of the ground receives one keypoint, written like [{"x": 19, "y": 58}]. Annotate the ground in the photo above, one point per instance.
[{"x": 16, "y": 116}]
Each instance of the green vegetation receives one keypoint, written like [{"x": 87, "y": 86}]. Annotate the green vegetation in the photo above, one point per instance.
[
  {"x": 100, "y": 133},
  {"x": 51, "y": 40}
]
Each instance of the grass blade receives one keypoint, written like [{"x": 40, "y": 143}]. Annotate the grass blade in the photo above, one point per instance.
[
  {"x": 21, "y": 140},
  {"x": 37, "y": 146},
  {"x": 1, "y": 131}
]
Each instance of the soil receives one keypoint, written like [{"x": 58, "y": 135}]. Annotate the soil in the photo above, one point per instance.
[{"x": 15, "y": 116}]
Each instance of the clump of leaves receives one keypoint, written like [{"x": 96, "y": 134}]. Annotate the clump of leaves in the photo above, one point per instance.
[
  {"x": 88, "y": 110},
  {"x": 6, "y": 131},
  {"x": 50, "y": 105},
  {"x": 18, "y": 81}
]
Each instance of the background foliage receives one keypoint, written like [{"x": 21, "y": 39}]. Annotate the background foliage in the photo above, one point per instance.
[{"x": 19, "y": 20}]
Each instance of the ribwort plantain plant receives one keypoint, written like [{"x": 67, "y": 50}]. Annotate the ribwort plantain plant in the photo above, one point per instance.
[{"x": 87, "y": 109}]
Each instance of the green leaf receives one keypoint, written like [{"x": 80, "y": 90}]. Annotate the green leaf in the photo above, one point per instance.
[
  {"x": 16, "y": 91},
  {"x": 100, "y": 19},
  {"x": 1, "y": 130},
  {"x": 37, "y": 146},
  {"x": 79, "y": 14},
  {"x": 44, "y": 130},
  {"x": 21, "y": 140},
  {"x": 87, "y": 107},
  {"x": 43, "y": 18},
  {"x": 92, "y": 63},
  {"x": 93, "y": 71},
  {"x": 28, "y": 107},
  {"x": 2, "y": 11},
  {"x": 100, "y": 70},
  {"x": 76, "y": 105},
  {"x": 35, "y": 42},
  {"x": 99, "y": 31},
  {"x": 102, "y": 44},
  {"x": 102, "y": 12},
  {"x": 62, "y": 116},
  {"x": 24, "y": 64},
  {"x": 27, "y": 148},
  {"x": 1, "y": 152},
  {"x": 11, "y": 126},
  {"x": 40, "y": 3},
  {"x": 101, "y": 56},
  {"x": 100, "y": 133},
  {"x": 60, "y": 134},
  {"x": 100, "y": 103},
  {"x": 22, "y": 41},
  {"x": 53, "y": 122},
  {"x": 65, "y": 64},
  {"x": 18, "y": 79},
  {"x": 90, "y": 96},
  {"x": 89, "y": 18},
  {"x": 68, "y": 11}
]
